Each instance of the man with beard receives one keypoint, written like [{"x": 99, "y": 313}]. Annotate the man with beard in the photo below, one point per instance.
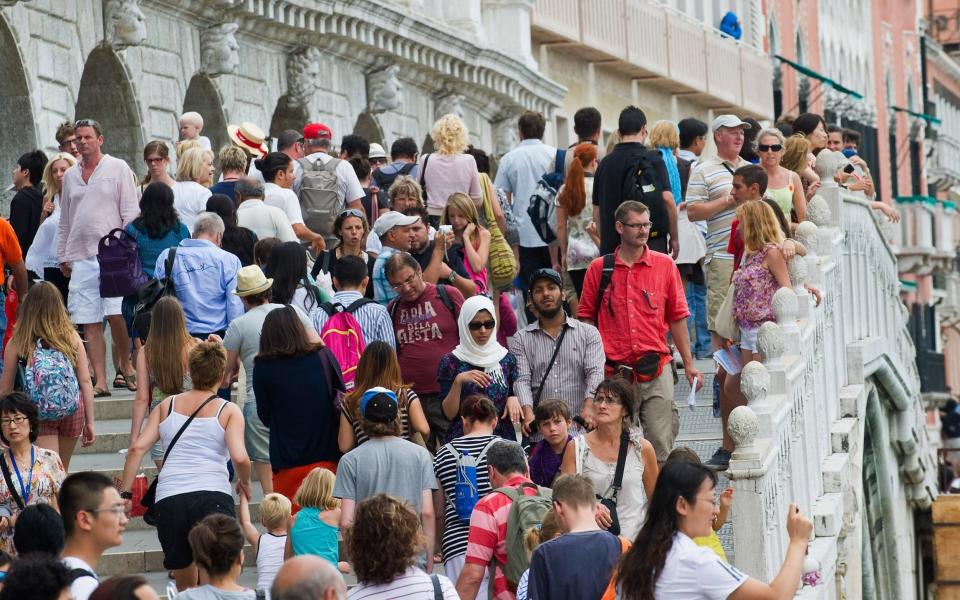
[
  {"x": 560, "y": 358},
  {"x": 430, "y": 253}
]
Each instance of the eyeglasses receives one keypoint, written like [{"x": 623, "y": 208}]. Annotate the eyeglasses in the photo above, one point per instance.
[
  {"x": 769, "y": 147},
  {"x": 151, "y": 161},
  {"x": 478, "y": 325},
  {"x": 117, "y": 510},
  {"x": 646, "y": 225},
  {"x": 404, "y": 283},
  {"x": 351, "y": 212},
  {"x": 18, "y": 420},
  {"x": 611, "y": 400}
]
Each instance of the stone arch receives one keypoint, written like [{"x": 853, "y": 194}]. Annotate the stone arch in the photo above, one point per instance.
[
  {"x": 368, "y": 127},
  {"x": 16, "y": 109},
  {"x": 203, "y": 97},
  {"x": 106, "y": 95}
]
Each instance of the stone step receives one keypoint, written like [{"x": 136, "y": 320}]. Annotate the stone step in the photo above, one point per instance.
[
  {"x": 113, "y": 435},
  {"x": 117, "y": 406},
  {"x": 111, "y": 464},
  {"x": 140, "y": 552}
]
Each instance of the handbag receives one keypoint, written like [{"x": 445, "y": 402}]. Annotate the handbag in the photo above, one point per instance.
[
  {"x": 553, "y": 359},
  {"x": 148, "y": 296},
  {"x": 121, "y": 273},
  {"x": 611, "y": 502},
  {"x": 726, "y": 326},
  {"x": 150, "y": 496},
  {"x": 503, "y": 264}
]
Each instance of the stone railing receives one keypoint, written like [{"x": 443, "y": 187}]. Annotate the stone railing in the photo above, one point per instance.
[{"x": 800, "y": 438}]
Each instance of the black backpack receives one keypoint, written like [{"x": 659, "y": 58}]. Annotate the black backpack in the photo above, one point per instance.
[
  {"x": 442, "y": 292},
  {"x": 642, "y": 182},
  {"x": 385, "y": 180},
  {"x": 151, "y": 293}
]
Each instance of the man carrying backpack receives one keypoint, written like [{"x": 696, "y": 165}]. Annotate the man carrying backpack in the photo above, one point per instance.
[
  {"x": 328, "y": 184},
  {"x": 499, "y": 523}
]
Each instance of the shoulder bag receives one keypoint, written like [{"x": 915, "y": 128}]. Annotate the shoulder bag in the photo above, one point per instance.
[
  {"x": 553, "y": 359},
  {"x": 149, "y": 497},
  {"x": 9, "y": 481},
  {"x": 503, "y": 264},
  {"x": 611, "y": 502},
  {"x": 726, "y": 326}
]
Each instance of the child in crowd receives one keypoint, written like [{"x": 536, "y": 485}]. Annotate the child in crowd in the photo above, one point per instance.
[
  {"x": 553, "y": 421},
  {"x": 711, "y": 541},
  {"x": 268, "y": 547},
  {"x": 315, "y": 529},
  {"x": 549, "y": 528},
  {"x": 217, "y": 545}
]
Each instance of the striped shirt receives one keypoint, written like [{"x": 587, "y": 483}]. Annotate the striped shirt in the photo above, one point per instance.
[
  {"x": 712, "y": 179},
  {"x": 454, "y": 541},
  {"x": 373, "y": 318},
  {"x": 574, "y": 376},
  {"x": 412, "y": 583}
]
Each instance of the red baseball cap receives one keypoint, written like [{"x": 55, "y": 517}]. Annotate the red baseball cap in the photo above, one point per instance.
[{"x": 317, "y": 131}]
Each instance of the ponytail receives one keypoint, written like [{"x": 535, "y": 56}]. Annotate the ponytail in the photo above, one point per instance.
[{"x": 574, "y": 196}]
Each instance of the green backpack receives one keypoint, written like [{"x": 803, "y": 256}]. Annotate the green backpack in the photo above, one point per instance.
[{"x": 526, "y": 513}]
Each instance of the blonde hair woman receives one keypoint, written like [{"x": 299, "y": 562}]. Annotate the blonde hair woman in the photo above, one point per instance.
[
  {"x": 42, "y": 256},
  {"x": 783, "y": 185},
  {"x": 191, "y": 191},
  {"x": 797, "y": 157},
  {"x": 43, "y": 322},
  {"x": 448, "y": 170}
]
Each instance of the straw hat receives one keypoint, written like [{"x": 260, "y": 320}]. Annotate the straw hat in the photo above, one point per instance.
[
  {"x": 251, "y": 280},
  {"x": 249, "y": 137}
]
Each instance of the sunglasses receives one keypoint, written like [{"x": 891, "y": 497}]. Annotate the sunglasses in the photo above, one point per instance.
[
  {"x": 478, "y": 325},
  {"x": 351, "y": 212},
  {"x": 769, "y": 147},
  {"x": 86, "y": 123}
]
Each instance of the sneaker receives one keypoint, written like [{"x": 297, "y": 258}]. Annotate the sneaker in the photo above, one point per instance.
[{"x": 720, "y": 460}]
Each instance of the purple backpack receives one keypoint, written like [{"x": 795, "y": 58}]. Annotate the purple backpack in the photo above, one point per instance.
[{"x": 121, "y": 273}]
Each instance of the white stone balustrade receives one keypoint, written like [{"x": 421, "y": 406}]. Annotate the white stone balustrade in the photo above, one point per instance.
[{"x": 837, "y": 392}]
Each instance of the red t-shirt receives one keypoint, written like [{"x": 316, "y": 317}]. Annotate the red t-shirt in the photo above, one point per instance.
[
  {"x": 638, "y": 306},
  {"x": 735, "y": 245},
  {"x": 426, "y": 330}
]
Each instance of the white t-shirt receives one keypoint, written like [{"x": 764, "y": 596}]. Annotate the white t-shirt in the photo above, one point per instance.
[
  {"x": 284, "y": 199},
  {"x": 413, "y": 583},
  {"x": 693, "y": 572},
  {"x": 82, "y": 587},
  {"x": 265, "y": 221},
  {"x": 349, "y": 188},
  {"x": 190, "y": 199}
]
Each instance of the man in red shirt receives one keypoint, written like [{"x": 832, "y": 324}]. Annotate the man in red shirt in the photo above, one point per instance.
[
  {"x": 642, "y": 299},
  {"x": 487, "y": 540}
]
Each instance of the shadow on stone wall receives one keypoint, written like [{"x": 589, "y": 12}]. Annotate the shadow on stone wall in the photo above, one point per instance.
[{"x": 19, "y": 131}]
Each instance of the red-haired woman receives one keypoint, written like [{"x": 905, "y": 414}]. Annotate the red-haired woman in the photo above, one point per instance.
[{"x": 579, "y": 240}]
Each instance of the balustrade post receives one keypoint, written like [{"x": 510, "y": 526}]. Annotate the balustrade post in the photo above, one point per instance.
[{"x": 786, "y": 309}]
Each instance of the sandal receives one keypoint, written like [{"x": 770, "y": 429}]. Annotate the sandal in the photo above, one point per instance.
[
  {"x": 120, "y": 381},
  {"x": 131, "y": 379},
  {"x": 101, "y": 393}
]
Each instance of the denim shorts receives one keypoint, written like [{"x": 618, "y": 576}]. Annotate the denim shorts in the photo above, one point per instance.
[{"x": 256, "y": 435}]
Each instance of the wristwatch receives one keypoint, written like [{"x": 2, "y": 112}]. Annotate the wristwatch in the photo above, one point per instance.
[
  {"x": 453, "y": 277},
  {"x": 126, "y": 495}
]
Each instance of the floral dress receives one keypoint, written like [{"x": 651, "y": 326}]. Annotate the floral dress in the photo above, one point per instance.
[
  {"x": 753, "y": 289},
  {"x": 48, "y": 475},
  {"x": 451, "y": 366}
]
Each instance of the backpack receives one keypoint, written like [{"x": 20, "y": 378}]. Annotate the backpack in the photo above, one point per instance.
[
  {"x": 466, "y": 491},
  {"x": 526, "y": 512},
  {"x": 51, "y": 382},
  {"x": 148, "y": 296},
  {"x": 610, "y": 593},
  {"x": 641, "y": 182},
  {"x": 318, "y": 196},
  {"x": 385, "y": 180},
  {"x": 121, "y": 273},
  {"x": 77, "y": 573},
  {"x": 343, "y": 335},
  {"x": 442, "y": 292},
  {"x": 542, "y": 209},
  {"x": 606, "y": 276}
]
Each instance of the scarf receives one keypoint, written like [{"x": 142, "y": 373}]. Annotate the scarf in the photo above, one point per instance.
[
  {"x": 671, "y": 164},
  {"x": 488, "y": 356}
]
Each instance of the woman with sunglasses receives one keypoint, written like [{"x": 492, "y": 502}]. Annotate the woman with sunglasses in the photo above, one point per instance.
[
  {"x": 351, "y": 229},
  {"x": 783, "y": 185},
  {"x": 480, "y": 365}
]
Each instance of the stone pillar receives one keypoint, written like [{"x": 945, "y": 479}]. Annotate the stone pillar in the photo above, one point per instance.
[
  {"x": 466, "y": 16},
  {"x": 507, "y": 23}
]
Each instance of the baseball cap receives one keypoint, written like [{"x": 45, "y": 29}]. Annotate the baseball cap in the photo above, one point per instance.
[
  {"x": 392, "y": 219},
  {"x": 376, "y": 151},
  {"x": 379, "y": 405},
  {"x": 544, "y": 274},
  {"x": 317, "y": 131},
  {"x": 728, "y": 121}
]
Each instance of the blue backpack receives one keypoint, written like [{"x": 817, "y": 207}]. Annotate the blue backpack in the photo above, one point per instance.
[
  {"x": 51, "y": 382},
  {"x": 466, "y": 491}
]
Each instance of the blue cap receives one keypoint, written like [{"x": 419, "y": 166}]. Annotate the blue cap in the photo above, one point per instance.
[{"x": 379, "y": 405}]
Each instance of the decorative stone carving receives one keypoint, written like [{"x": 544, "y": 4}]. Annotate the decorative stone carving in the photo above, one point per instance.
[
  {"x": 450, "y": 105},
  {"x": 754, "y": 381},
  {"x": 507, "y": 136},
  {"x": 743, "y": 427},
  {"x": 219, "y": 50},
  {"x": 384, "y": 89},
  {"x": 303, "y": 80},
  {"x": 828, "y": 162},
  {"x": 124, "y": 23},
  {"x": 770, "y": 342},
  {"x": 785, "y": 307},
  {"x": 10, "y": 2},
  {"x": 797, "y": 268},
  {"x": 818, "y": 211},
  {"x": 807, "y": 235}
]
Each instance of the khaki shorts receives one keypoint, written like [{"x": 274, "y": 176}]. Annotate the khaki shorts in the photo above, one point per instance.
[
  {"x": 657, "y": 413},
  {"x": 718, "y": 272}
]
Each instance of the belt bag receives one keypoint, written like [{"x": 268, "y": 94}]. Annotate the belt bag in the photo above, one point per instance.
[{"x": 647, "y": 368}]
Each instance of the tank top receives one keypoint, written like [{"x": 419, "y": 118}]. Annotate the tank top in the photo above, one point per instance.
[
  {"x": 310, "y": 535},
  {"x": 269, "y": 558},
  {"x": 632, "y": 498},
  {"x": 198, "y": 463},
  {"x": 783, "y": 197}
]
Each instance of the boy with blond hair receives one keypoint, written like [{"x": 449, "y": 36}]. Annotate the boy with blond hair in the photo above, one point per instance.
[{"x": 268, "y": 547}]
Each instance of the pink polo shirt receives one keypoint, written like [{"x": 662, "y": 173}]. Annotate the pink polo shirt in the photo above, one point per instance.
[{"x": 448, "y": 173}]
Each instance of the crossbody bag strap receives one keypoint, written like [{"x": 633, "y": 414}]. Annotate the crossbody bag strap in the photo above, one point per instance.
[
  {"x": 9, "y": 481},
  {"x": 173, "y": 442},
  {"x": 168, "y": 269},
  {"x": 553, "y": 359},
  {"x": 621, "y": 463}
]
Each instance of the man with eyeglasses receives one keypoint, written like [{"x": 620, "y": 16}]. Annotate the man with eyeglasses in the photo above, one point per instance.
[
  {"x": 424, "y": 318},
  {"x": 634, "y": 296},
  {"x": 66, "y": 139},
  {"x": 98, "y": 196},
  {"x": 393, "y": 229},
  {"x": 94, "y": 518}
]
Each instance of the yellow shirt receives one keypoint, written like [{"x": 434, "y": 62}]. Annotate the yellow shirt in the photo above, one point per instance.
[{"x": 712, "y": 541}]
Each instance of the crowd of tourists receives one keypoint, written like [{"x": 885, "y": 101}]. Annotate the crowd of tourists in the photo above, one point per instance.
[{"x": 448, "y": 376}]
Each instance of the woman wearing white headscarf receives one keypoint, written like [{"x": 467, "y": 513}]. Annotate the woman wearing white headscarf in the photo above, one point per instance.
[{"x": 479, "y": 365}]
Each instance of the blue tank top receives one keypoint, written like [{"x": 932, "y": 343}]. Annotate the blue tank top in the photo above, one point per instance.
[{"x": 310, "y": 535}]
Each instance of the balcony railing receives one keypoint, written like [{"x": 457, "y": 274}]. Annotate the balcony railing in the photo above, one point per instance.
[
  {"x": 927, "y": 237},
  {"x": 663, "y": 47}
]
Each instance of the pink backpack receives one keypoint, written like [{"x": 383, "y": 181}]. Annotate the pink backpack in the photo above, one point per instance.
[{"x": 344, "y": 337}]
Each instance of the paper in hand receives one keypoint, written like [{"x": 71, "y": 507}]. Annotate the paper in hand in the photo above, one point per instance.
[{"x": 692, "y": 398}]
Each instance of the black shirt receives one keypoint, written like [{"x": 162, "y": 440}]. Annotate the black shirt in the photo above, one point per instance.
[
  {"x": 608, "y": 189},
  {"x": 239, "y": 241},
  {"x": 424, "y": 257},
  {"x": 25, "y": 209}
]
